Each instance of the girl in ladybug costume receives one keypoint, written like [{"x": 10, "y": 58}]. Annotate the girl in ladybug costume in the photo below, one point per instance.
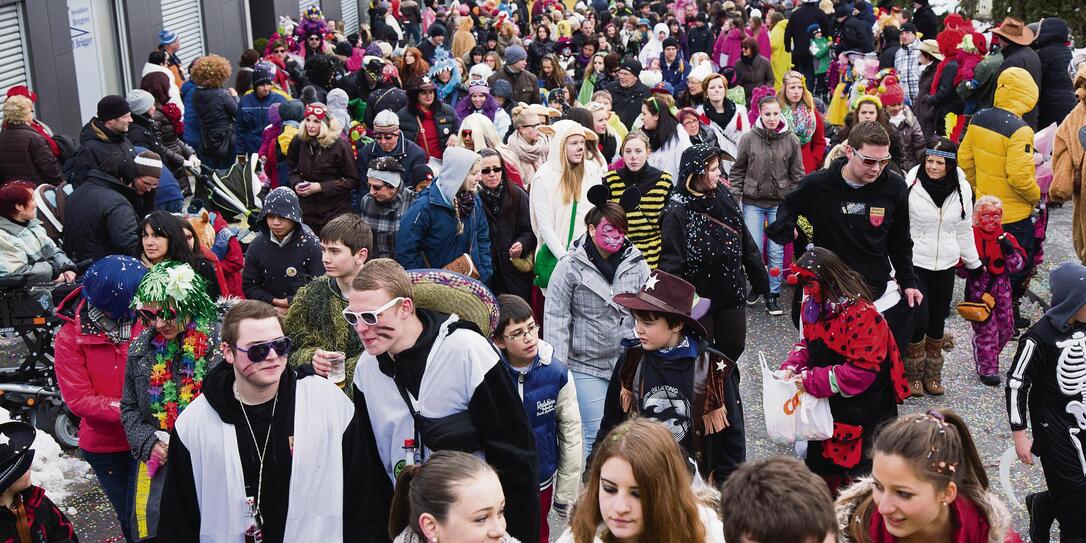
[{"x": 847, "y": 354}]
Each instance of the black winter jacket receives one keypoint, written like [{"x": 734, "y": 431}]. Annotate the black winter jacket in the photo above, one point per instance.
[
  {"x": 945, "y": 100},
  {"x": 143, "y": 133},
  {"x": 927, "y": 24},
  {"x": 101, "y": 218},
  {"x": 444, "y": 118},
  {"x": 96, "y": 142},
  {"x": 509, "y": 222},
  {"x": 217, "y": 111},
  {"x": 700, "y": 39},
  {"x": 1057, "y": 97},
  {"x": 626, "y": 102},
  {"x": 1021, "y": 56},
  {"x": 925, "y": 114},
  {"x": 536, "y": 51},
  {"x": 26, "y": 156},
  {"x": 855, "y": 36},
  {"x": 796, "y": 38},
  {"x": 278, "y": 271}
]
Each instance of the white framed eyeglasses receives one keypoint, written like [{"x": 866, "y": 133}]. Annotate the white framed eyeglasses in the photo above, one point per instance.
[{"x": 369, "y": 318}]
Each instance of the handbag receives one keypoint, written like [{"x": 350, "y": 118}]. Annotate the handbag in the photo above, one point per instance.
[
  {"x": 463, "y": 265},
  {"x": 524, "y": 264},
  {"x": 545, "y": 261},
  {"x": 979, "y": 311}
]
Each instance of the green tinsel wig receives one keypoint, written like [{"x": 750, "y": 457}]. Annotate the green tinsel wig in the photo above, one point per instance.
[{"x": 176, "y": 285}]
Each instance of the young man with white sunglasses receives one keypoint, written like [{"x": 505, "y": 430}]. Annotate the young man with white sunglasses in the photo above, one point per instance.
[
  {"x": 293, "y": 453},
  {"x": 437, "y": 370},
  {"x": 859, "y": 209}
]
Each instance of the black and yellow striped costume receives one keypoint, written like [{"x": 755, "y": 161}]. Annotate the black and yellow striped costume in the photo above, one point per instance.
[{"x": 645, "y": 219}]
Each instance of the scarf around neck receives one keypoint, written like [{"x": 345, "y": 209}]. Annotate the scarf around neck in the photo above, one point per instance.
[
  {"x": 529, "y": 152},
  {"x": 802, "y": 121},
  {"x": 721, "y": 119}
]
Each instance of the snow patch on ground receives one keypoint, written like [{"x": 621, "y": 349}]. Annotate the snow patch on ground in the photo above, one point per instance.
[{"x": 53, "y": 469}]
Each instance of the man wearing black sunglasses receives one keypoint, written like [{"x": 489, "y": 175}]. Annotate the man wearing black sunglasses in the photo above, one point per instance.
[
  {"x": 297, "y": 451},
  {"x": 388, "y": 141},
  {"x": 860, "y": 210},
  {"x": 442, "y": 368}
]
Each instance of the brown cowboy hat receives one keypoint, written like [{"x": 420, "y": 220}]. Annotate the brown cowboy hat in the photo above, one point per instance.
[
  {"x": 1014, "y": 30},
  {"x": 931, "y": 47},
  {"x": 665, "y": 293}
]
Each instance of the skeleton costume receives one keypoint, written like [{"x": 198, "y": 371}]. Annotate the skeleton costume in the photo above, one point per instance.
[{"x": 1048, "y": 380}]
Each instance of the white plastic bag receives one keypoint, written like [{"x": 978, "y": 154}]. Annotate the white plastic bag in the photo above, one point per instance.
[
  {"x": 815, "y": 422},
  {"x": 779, "y": 402},
  {"x": 791, "y": 415}
]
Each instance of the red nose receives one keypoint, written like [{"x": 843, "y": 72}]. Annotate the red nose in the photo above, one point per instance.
[
  {"x": 774, "y": 271},
  {"x": 792, "y": 279}
]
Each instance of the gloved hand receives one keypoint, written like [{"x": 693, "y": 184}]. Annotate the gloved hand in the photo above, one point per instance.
[
  {"x": 1005, "y": 244},
  {"x": 975, "y": 273},
  {"x": 192, "y": 163}
]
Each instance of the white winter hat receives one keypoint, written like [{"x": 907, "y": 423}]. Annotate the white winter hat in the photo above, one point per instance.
[
  {"x": 139, "y": 101},
  {"x": 650, "y": 78},
  {"x": 702, "y": 71}
]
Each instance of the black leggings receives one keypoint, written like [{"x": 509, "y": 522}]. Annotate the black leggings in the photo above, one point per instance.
[
  {"x": 728, "y": 328},
  {"x": 937, "y": 288}
]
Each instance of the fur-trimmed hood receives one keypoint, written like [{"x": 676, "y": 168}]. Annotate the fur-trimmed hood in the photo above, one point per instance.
[
  {"x": 330, "y": 132},
  {"x": 990, "y": 506}
]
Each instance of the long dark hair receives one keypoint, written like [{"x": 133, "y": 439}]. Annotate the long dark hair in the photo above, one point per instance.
[
  {"x": 667, "y": 126},
  {"x": 951, "y": 177},
  {"x": 431, "y": 488},
  {"x": 837, "y": 279},
  {"x": 168, "y": 226}
]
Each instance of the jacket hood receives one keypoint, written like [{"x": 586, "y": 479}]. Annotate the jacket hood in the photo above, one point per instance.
[
  {"x": 455, "y": 166},
  {"x": 218, "y": 386},
  {"x": 1053, "y": 30},
  {"x": 283, "y": 202},
  {"x": 782, "y": 130},
  {"x": 1068, "y": 285},
  {"x": 562, "y": 130},
  {"x": 1016, "y": 91}
]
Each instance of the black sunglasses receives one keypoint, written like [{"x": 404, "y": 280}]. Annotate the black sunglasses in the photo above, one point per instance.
[
  {"x": 149, "y": 317},
  {"x": 495, "y": 169},
  {"x": 258, "y": 352}
]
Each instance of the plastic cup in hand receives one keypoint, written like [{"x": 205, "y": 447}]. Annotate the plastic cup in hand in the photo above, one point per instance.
[{"x": 338, "y": 373}]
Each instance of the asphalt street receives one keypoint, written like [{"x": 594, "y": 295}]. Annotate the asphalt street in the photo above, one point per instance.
[{"x": 981, "y": 406}]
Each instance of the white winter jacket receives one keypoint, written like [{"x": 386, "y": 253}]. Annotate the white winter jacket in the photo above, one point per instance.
[
  {"x": 940, "y": 236},
  {"x": 727, "y": 137}
]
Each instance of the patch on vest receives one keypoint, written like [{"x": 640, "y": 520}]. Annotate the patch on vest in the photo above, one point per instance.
[
  {"x": 544, "y": 407},
  {"x": 669, "y": 406}
]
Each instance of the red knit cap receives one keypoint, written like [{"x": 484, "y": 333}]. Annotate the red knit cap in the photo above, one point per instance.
[{"x": 892, "y": 94}]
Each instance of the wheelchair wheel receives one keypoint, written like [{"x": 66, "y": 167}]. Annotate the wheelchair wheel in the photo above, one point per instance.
[{"x": 66, "y": 430}]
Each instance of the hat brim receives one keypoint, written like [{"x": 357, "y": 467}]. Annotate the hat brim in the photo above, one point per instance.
[
  {"x": 635, "y": 302},
  {"x": 1026, "y": 38},
  {"x": 16, "y": 470}
]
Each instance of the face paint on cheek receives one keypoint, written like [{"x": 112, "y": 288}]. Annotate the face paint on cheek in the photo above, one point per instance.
[
  {"x": 384, "y": 332},
  {"x": 608, "y": 237}
]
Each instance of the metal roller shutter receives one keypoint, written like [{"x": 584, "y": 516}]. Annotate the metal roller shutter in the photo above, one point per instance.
[
  {"x": 183, "y": 17},
  {"x": 14, "y": 61},
  {"x": 350, "y": 16}
]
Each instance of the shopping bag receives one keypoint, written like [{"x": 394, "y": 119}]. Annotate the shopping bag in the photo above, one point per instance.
[
  {"x": 780, "y": 400},
  {"x": 815, "y": 422}
]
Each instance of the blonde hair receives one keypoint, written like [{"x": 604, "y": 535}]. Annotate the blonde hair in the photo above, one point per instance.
[
  {"x": 386, "y": 275},
  {"x": 572, "y": 174},
  {"x": 636, "y": 135},
  {"x": 18, "y": 110},
  {"x": 483, "y": 133},
  {"x": 807, "y": 99},
  {"x": 211, "y": 72}
]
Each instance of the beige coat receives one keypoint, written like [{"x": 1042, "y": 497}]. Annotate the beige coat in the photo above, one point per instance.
[{"x": 1069, "y": 165}]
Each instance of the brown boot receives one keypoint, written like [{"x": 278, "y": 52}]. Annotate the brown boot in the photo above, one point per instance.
[
  {"x": 933, "y": 367},
  {"x": 914, "y": 368}
]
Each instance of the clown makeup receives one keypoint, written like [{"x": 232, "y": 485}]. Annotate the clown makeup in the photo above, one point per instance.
[
  {"x": 989, "y": 219},
  {"x": 607, "y": 237}
]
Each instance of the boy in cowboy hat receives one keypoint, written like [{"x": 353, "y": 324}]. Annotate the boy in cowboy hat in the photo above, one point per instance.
[
  {"x": 672, "y": 375},
  {"x": 26, "y": 515}
]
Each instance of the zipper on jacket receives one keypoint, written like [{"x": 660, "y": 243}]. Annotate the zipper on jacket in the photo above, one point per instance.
[
  {"x": 520, "y": 385},
  {"x": 938, "y": 232}
]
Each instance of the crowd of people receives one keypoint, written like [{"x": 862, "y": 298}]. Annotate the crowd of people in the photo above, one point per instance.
[{"x": 503, "y": 262}]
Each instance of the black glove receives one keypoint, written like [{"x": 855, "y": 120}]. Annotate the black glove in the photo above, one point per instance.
[
  {"x": 975, "y": 273},
  {"x": 1005, "y": 245}
]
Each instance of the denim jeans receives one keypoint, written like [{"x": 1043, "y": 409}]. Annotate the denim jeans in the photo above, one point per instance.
[
  {"x": 116, "y": 473},
  {"x": 755, "y": 219},
  {"x": 591, "y": 392}
]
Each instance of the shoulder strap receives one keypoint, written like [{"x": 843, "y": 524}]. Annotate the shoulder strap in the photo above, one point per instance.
[
  {"x": 719, "y": 222},
  {"x": 572, "y": 221}
]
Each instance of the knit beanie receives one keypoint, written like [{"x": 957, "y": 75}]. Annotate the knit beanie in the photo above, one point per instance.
[
  {"x": 502, "y": 88},
  {"x": 515, "y": 53},
  {"x": 139, "y": 101},
  {"x": 149, "y": 163},
  {"x": 112, "y": 106},
  {"x": 891, "y": 92},
  {"x": 263, "y": 72}
]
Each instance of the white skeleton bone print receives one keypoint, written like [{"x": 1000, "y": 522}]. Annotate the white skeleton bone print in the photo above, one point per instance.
[{"x": 1071, "y": 376}]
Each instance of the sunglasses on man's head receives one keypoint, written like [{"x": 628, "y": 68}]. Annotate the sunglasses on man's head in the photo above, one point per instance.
[
  {"x": 369, "y": 318},
  {"x": 258, "y": 352},
  {"x": 150, "y": 317}
]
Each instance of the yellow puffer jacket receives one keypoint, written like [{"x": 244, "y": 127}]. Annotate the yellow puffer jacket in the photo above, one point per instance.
[{"x": 997, "y": 151}]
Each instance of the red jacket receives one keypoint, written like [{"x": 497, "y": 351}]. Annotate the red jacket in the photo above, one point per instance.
[
  {"x": 814, "y": 152},
  {"x": 90, "y": 371},
  {"x": 231, "y": 264}
]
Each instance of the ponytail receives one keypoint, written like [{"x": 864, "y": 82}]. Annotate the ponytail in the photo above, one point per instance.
[
  {"x": 399, "y": 516},
  {"x": 430, "y": 488}
]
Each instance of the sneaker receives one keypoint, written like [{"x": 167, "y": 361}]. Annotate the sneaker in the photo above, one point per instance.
[
  {"x": 773, "y": 305},
  {"x": 1040, "y": 516},
  {"x": 753, "y": 298},
  {"x": 990, "y": 380}
]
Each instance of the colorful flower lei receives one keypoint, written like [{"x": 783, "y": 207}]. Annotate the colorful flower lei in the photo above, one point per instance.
[{"x": 169, "y": 397}]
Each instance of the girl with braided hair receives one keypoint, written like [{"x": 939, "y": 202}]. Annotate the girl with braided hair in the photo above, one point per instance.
[{"x": 927, "y": 484}]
